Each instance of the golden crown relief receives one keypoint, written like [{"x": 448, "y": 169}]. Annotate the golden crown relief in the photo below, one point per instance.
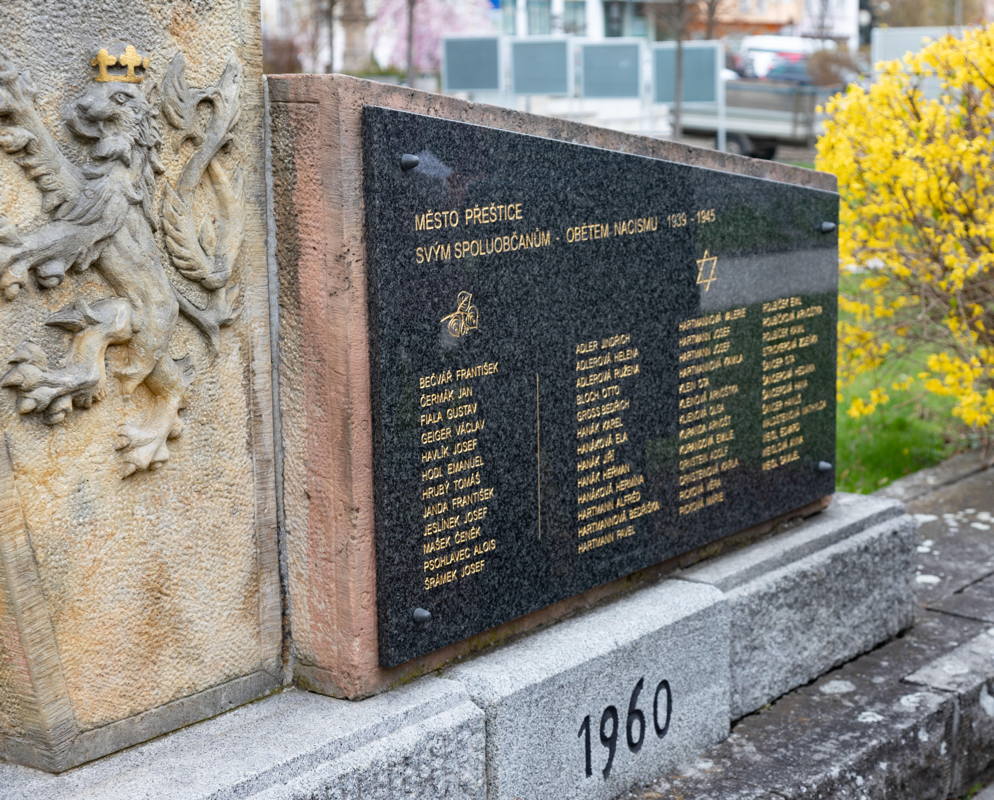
[{"x": 130, "y": 59}]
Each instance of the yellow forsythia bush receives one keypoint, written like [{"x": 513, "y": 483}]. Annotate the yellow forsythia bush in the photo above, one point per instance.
[{"x": 916, "y": 176}]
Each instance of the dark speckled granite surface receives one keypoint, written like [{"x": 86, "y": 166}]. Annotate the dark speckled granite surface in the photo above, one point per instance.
[{"x": 635, "y": 361}]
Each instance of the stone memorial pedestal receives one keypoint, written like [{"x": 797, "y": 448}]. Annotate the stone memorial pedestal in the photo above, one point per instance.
[{"x": 654, "y": 670}]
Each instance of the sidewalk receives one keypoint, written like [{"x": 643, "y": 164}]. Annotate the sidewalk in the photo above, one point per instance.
[{"x": 910, "y": 720}]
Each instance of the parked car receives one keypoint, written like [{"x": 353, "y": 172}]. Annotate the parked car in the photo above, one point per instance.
[
  {"x": 760, "y": 53},
  {"x": 790, "y": 70}
]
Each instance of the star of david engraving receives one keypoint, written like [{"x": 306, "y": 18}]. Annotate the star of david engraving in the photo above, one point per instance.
[{"x": 707, "y": 270}]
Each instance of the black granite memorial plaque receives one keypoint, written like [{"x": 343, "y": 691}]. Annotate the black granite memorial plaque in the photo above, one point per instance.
[{"x": 584, "y": 363}]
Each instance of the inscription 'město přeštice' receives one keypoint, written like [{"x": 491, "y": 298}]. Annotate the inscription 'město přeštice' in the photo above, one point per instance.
[{"x": 584, "y": 363}]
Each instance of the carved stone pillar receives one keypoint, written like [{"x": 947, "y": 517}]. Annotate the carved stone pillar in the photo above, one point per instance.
[{"x": 139, "y": 587}]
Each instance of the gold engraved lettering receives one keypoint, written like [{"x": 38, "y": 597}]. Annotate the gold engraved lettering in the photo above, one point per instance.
[
  {"x": 472, "y": 569},
  {"x": 437, "y": 435},
  {"x": 434, "y": 581},
  {"x": 478, "y": 371},
  {"x": 583, "y": 381},
  {"x": 699, "y": 322},
  {"x": 587, "y": 232},
  {"x": 436, "y": 398},
  {"x": 434, "y": 220},
  {"x": 447, "y": 559},
  {"x": 435, "y": 454},
  {"x": 468, "y": 535},
  {"x": 465, "y": 410},
  {"x": 461, "y": 465},
  {"x": 495, "y": 212},
  {"x": 439, "y": 543},
  {"x": 507, "y": 243},
  {"x": 593, "y": 362},
  {"x": 615, "y": 340},
  {"x": 630, "y": 227}
]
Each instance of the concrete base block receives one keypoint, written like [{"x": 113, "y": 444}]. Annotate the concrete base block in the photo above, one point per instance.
[
  {"x": 607, "y": 699},
  {"x": 809, "y": 599},
  {"x": 424, "y": 740}
]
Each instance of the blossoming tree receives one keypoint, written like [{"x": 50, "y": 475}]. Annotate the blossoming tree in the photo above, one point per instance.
[{"x": 914, "y": 156}]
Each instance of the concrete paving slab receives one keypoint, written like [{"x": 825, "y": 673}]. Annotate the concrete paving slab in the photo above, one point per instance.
[{"x": 956, "y": 525}]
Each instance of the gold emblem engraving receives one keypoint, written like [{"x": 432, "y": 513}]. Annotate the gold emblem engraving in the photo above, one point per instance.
[
  {"x": 129, "y": 59},
  {"x": 465, "y": 319},
  {"x": 707, "y": 269}
]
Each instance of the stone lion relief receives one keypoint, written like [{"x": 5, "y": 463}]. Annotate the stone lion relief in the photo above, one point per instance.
[{"x": 114, "y": 214}]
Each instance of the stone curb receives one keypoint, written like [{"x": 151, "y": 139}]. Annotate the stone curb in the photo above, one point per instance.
[
  {"x": 815, "y": 596},
  {"x": 918, "y": 484},
  {"x": 423, "y": 740}
]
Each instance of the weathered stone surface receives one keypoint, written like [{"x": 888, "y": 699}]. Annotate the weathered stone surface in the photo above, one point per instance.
[
  {"x": 918, "y": 484},
  {"x": 910, "y": 719},
  {"x": 968, "y": 603},
  {"x": 858, "y": 733},
  {"x": 932, "y": 635},
  {"x": 324, "y": 350},
  {"x": 424, "y": 740},
  {"x": 847, "y": 514},
  {"x": 967, "y": 672},
  {"x": 956, "y": 527},
  {"x": 158, "y": 591},
  {"x": 814, "y": 597},
  {"x": 899, "y": 750},
  {"x": 538, "y": 693}
]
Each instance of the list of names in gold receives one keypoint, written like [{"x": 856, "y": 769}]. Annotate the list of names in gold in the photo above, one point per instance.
[
  {"x": 456, "y": 490},
  {"x": 788, "y": 364},
  {"x": 707, "y": 426},
  {"x": 610, "y": 490}
]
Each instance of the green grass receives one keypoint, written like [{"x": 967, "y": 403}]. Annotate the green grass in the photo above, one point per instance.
[
  {"x": 913, "y": 431},
  {"x": 907, "y": 434}
]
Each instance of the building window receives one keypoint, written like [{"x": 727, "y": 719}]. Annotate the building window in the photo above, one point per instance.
[
  {"x": 539, "y": 17},
  {"x": 614, "y": 18},
  {"x": 637, "y": 25},
  {"x": 508, "y": 17},
  {"x": 575, "y": 17}
]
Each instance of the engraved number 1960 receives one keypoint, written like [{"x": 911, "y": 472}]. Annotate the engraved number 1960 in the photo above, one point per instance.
[{"x": 635, "y": 723}]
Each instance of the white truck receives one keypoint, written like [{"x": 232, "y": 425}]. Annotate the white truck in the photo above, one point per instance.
[{"x": 759, "y": 115}]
